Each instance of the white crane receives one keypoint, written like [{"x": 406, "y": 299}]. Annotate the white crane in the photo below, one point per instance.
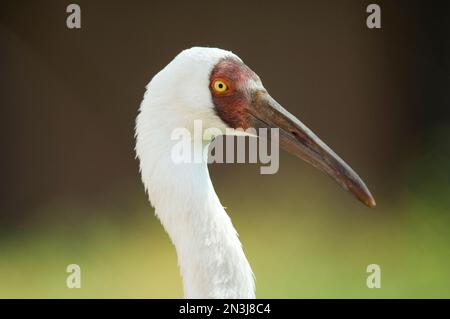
[{"x": 214, "y": 86}]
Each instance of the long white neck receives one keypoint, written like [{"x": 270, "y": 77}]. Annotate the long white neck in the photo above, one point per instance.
[{"x": 210, "y": 256}]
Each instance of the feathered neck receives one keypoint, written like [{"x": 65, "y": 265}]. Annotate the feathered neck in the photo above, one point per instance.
[{"x": 210, "y": 256}]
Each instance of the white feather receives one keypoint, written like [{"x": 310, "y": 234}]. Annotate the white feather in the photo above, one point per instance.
[{"x": 210, "y": 256}]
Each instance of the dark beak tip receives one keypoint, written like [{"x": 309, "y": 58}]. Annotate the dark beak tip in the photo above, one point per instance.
[
  {"x": 367, "y": 198},
  {"x": 370, "y": 202},
  {"x": 362, "y": 193}
]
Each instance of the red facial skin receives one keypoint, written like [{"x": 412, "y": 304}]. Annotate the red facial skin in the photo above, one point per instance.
[{"x": 230, "y": 105}]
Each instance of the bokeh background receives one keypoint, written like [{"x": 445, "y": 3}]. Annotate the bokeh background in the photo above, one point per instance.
[{"x": 70, "y": 188}]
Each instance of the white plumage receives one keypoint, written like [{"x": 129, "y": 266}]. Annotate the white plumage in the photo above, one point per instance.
[{"x": 210, "y": 256}]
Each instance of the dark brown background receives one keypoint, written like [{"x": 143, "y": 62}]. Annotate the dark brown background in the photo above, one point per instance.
[{"x": 69, "y": 98}]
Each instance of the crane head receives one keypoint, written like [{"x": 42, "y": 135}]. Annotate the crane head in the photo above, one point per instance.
[{"x": 215, "y": 86}]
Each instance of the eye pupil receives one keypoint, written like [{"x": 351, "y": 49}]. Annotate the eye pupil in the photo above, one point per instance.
[{"x": 220, "y": 85}]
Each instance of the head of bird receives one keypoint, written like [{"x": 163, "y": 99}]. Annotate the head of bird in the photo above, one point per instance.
[{"x": 216, "y": 87}]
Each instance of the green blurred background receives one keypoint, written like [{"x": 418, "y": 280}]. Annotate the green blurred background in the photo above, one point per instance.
[{"x": 70, "y": 187}]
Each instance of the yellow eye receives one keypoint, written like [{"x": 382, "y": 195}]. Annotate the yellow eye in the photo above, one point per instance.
[{"x": 220, "y": 86}]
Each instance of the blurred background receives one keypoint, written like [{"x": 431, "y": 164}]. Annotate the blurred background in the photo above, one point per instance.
[{"x": 70, "y": 188}]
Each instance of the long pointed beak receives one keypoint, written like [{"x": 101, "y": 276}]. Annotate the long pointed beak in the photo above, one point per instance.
[{"x": 299, "y": 140}]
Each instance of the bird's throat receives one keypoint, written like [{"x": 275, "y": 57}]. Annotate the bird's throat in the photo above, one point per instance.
[{"x": 210, "y": 256}]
